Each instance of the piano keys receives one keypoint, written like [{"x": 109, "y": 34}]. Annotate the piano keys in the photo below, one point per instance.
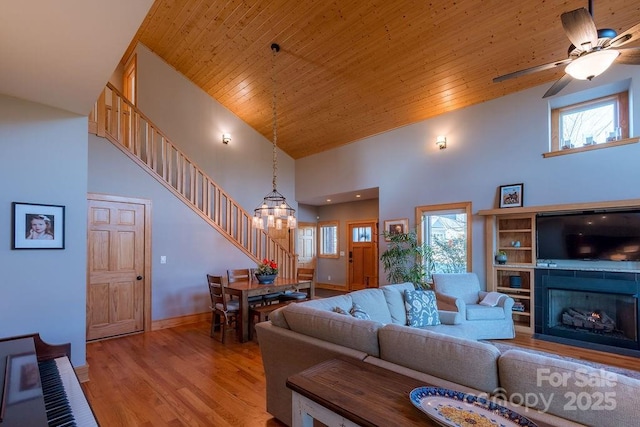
[{"x": 53, "y": 398}]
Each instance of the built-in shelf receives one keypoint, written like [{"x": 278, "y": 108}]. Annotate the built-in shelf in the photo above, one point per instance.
[{"x": 507, "y": 225}]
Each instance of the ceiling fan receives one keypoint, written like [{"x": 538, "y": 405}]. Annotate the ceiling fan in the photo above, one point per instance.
[{"x": 592, "y": 50}]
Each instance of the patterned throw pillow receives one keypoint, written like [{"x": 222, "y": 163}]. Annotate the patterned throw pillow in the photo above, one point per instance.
[
  {"x": 338, "y": 310},
  {"x": 422, "y": 309},
  {"x": 357, "y": 312}
]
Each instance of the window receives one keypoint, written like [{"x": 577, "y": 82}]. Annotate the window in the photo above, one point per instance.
[
  {"x": 328, "y": 239},
  {"x": 361, "y": 234},
  {"x": 129, "y": 86},
  {"x": 589, "y": 123},
  {"x": 447, "y": 230}
]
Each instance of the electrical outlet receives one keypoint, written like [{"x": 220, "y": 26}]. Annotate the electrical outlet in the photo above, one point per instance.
[
  {"x": 163, "y": 259},
  {"x": 329, "y": 278}
]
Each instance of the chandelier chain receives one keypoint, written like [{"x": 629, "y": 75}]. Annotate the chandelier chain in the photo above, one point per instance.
[
  {"x": 274, "y": 210},
  {"x": 274, "y": 105}
]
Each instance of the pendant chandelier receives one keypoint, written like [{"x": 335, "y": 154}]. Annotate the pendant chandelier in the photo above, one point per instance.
[{"x": 274, "y": 212}]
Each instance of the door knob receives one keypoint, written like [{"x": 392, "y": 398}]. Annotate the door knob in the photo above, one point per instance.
[{"x": 139, "y": 278}]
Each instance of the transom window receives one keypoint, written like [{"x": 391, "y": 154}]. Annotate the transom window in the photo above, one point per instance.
[
  {"x": 447, "y": 231},
  {"x": 593, "y": 122}
]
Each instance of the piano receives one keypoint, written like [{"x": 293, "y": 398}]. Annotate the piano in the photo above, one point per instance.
[{"x": 38, "y": 386}]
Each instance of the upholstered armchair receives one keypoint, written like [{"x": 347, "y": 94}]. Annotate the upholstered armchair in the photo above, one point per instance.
[{"x": 461, "y": 292}]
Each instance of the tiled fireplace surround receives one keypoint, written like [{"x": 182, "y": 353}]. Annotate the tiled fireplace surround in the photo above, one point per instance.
[{"x": 611, "y": 295}]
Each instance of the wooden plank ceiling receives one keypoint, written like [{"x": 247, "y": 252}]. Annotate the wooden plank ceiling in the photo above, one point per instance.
[{"x": 355, "y": 68}]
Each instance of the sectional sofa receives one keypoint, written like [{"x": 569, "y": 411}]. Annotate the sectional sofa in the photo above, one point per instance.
[{"x": 552, "y": 390}]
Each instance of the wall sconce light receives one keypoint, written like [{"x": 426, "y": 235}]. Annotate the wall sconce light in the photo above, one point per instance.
[
  {"x": 441, "y": 142},
  {"x": 226, "y": 138}
]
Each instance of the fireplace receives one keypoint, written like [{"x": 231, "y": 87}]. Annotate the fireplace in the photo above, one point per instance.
[{"x": 589, "y": 309}]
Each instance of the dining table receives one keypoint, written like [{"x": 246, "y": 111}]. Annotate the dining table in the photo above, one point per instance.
[{"x": 244, "y": 289}]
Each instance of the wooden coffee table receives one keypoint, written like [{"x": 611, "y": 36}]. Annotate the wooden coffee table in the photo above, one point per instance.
[
  {"x": 345, "y": 392},
  {"x": 348, "y": 392}
]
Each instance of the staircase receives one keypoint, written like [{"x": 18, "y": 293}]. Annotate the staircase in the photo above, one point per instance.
[{"x": 115, "y": 118}]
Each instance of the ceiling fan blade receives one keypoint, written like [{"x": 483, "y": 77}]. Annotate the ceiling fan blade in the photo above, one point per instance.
[
  {"x": 580, "y": 28},
  {"x": 558, "y": 86},
  {"x": 631, "y": 34},
  {"x": 629, "y": 56},
  {"x": 531, "y": 70}
]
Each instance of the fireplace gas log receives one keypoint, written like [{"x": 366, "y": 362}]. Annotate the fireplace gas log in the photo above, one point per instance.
[{"x": 594, "y": 320}]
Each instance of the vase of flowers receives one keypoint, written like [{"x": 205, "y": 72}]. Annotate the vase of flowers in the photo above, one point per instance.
[{"x": 266, "y": 272}]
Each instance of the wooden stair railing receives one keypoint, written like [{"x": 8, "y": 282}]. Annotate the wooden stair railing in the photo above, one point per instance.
[{"x": 119, "y": 121}]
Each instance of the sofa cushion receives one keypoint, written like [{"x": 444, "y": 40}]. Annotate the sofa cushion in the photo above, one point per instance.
[
  {"x": 464, "y": 286},
  {"x": 422, "y": 309},
  {"x": 336, "y": 328},
  {"x": 277, "y": 318},
  {"x": 328, "y": 304},
  {"x": 482, "y": 312},
  {"x": 394, "y": 295},
  {"x": 467, "y": 362},
  {"x": 373, "y": 302},
  {"x": 570, "y": 390}
]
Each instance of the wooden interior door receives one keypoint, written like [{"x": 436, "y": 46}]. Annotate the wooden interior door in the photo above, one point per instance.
[
  {"x": 306, "y": 245},
  {"x": 363, "y": 255},
  {"x": 117, "y": 289}
]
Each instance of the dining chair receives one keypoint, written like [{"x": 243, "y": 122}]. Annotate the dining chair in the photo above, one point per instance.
[
  {"x": 244, "y": 274},
  {"x": 303, "y": 274},
  {"x": 224, "y": 312}
]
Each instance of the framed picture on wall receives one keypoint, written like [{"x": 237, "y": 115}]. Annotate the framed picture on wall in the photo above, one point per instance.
[
  {"x": 395, "y": 226},
  {"x": 511, "y": 195},
  {"x": 37, "y": 226}
]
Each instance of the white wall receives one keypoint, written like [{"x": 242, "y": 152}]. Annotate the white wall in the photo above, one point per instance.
[
  {"x": 491, "y": 144},
  {"x": 192, "y": 247},
  {"x": 194, "y": 122},
  {"x": 44, "y": 160}
]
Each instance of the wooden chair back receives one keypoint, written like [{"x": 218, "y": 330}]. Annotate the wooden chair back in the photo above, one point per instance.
[
  {"x": 305, "y": 274},
  {"x": 217, "y": 292},
  {"x": 238, "y": 275}
]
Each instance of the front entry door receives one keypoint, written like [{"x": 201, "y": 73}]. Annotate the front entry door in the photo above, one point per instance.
[
  {"x": 117, "y": 288},
  {"x": 363, "y": 255}
]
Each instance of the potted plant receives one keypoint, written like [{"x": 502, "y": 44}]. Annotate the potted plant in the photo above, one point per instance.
[
  {"x": 266, "y": 272},
  {"x": 501, "y": 257},
  {"x": 405, "y": 259}
]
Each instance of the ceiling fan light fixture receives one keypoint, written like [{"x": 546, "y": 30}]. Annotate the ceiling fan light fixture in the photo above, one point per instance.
[{"x": 591, "y": 64}]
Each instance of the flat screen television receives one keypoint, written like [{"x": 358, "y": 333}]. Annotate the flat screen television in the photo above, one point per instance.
[{"x": 610, "y": 236}]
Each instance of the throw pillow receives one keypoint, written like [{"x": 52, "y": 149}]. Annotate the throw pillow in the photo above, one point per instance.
[
  {"x": 338, "y": 310},
  {"x": 422, "y": 309},
  {"x": 357, "y": 312}
]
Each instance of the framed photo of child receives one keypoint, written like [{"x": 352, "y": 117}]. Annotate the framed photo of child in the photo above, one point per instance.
[{"x": 37, "y": 226}]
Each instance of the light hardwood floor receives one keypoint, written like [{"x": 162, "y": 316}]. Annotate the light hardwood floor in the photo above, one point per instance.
[{"x": 182, "y": 377}]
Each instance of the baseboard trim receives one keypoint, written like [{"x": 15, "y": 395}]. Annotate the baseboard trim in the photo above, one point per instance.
[
  {"x": 331, "y": 287},
  {"x": 179, "y": 321},
  {"x": 82, "y": 372}
]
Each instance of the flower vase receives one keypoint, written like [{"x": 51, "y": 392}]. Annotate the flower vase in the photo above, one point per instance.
[{"x": 266, "y": 279}]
